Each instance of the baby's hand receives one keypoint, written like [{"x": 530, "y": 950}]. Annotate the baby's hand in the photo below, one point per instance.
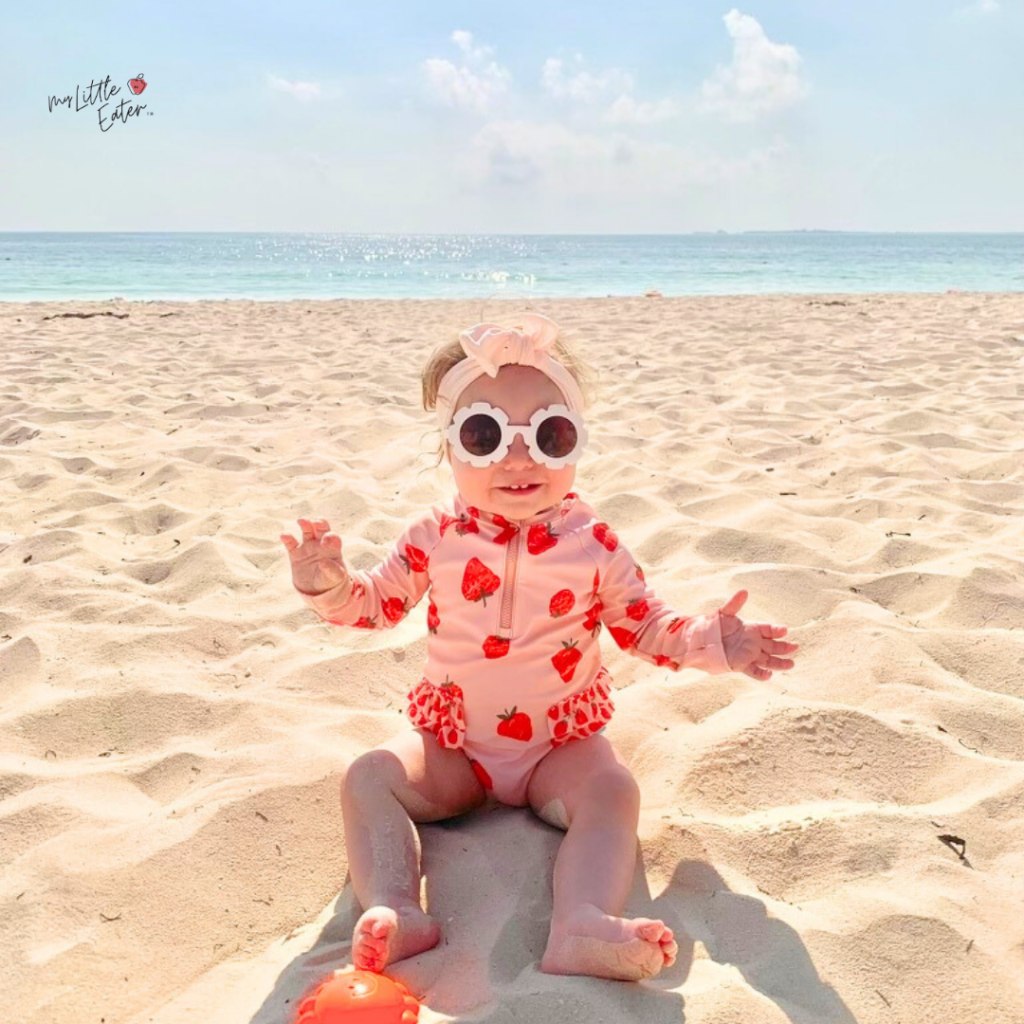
[
  {"x": 750, "y": 647},
  {"x": 316, "y": 563}
]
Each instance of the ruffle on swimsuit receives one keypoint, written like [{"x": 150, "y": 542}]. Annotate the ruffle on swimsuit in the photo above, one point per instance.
[
  {"x": 582, "y": 714},
  {"x": 439, "y": 710}
]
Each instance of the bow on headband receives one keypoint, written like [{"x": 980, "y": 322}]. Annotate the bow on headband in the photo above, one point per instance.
[{"x": 525, "y": 343}]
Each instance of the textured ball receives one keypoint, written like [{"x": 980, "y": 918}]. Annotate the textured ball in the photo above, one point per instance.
[{"x": 358, "y": 997}]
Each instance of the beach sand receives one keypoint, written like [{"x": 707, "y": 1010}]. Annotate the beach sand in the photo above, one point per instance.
[{"x": 174, "y": 721}]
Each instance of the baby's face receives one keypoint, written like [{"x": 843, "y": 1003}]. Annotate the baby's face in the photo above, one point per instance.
[{"x": 520, "y": 391}]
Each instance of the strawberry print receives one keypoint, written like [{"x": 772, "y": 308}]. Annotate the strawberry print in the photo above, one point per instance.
[
  {"x": 473, "y": 511},
  {"x": 508, "y": 531},
  {"x": 438, "y": 709},
  {"x": 623, "y": 637},
  {"x": 566, "y": 660},
  {"x": 466, "y": 525},
  {"x": 516, "y": 725},
  {"x": 395, "y": 609},
  {"x": 677, "y": 623},
  {"x": 664, "y": 659},
  {"x": 540, "y": 538},
  {"x": 583, "y": 713},
  {"x": 592, "y": 622},
  {"x": 365, "y": 623},
  {"x": 561, "y": 604},
  {"x": 606, "y": 535},
  {"x": 637, "y": 609},
  {"x": 433, "y": 620},
  {"x": 597, "y": 580},
  {"x": 481, "y": 774},
  {"x": 446, "y": 521},
  {"x": 478, "y": 582},
  {"x": 639, "y": 572},
  {"x": 414, "y": 559},
  {"x": 357, "y": 591},
  {"x": 496, "y": 647}
]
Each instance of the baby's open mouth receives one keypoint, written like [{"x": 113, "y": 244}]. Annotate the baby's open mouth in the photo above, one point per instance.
[{"x": 520, "y": 490}]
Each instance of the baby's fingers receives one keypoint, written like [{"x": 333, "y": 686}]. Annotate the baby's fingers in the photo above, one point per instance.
[{"x": 314, "y": 529}]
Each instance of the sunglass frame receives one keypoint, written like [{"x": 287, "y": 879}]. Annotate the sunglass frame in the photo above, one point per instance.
[{"x": 508, "y": 433}]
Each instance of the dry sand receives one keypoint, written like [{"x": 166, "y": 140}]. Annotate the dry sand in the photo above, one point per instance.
[{"x": 173, "y": 719}]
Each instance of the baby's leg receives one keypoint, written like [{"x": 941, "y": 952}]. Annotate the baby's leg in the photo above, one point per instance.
[
  {"x": 409, "y": 778},
  {"x": 588, "y": 786}
]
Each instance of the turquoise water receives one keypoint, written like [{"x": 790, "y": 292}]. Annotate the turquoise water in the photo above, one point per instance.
[{"x": 49, "y": 266}]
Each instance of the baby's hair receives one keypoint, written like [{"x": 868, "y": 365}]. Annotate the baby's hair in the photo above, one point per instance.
[{"x": 450, "y": 352}]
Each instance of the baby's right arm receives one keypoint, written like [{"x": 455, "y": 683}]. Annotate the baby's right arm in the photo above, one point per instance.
[{"x": 378, "y": 599}]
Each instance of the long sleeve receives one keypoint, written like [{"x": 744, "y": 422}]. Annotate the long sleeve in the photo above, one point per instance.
[
  {"x": 643, "y": 624},
  {"x": 381, "y": 597}
]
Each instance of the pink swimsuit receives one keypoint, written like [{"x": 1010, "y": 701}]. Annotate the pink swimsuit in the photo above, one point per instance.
[{"x": 513, "y": 660}]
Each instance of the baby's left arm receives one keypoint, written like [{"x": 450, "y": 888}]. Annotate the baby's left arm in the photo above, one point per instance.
[{"x": 645, "y": 626}]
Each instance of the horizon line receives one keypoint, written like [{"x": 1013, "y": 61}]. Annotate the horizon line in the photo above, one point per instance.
[{"x": 520, "y": 234}]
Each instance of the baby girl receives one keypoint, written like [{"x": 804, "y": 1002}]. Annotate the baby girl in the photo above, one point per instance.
[{"x": 522, "y": 575}]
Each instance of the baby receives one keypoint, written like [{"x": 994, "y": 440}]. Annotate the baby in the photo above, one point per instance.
[{"x": 522, "y": 575}]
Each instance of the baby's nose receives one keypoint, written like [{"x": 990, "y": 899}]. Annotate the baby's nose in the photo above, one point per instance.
[{"x": 519, "y": 450}]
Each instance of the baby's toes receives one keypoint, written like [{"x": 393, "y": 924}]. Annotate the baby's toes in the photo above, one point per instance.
[
  {"x": 650, "y": 930},
  {"x": 367, "y": 950},
  {"x": 658, "y": 932},
  {"x": 363, "y": 957}
]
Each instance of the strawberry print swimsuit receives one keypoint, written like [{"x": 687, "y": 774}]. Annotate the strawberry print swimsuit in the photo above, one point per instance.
[{"x": 515, "y": 610}]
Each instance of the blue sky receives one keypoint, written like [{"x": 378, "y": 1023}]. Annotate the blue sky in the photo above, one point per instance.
[{"x": 528, "y": 117}]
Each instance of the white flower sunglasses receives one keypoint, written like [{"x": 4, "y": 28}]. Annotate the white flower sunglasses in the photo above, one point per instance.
[{"x": 481, "y": 435}]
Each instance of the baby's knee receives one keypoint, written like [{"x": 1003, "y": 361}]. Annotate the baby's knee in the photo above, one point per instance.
[
  {"x": 614, "y": 789},
  {"x": 369, "y": 772}
]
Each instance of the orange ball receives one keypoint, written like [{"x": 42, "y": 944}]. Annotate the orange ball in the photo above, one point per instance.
[{"x": 358, "y": 997}]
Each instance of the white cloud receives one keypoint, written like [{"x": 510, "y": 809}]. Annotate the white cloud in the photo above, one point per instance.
[
  {"x": 475, "y": 85},
  {"x": 518, "y": 152},
  {"x": 763, "y": 76},
  {"x": 304, "y": 91},
  {"x": 626, "y": 110},
  {"x": 982, "y": 8},
  {"x": 524, "y": 153},
  {"x": 582, "y": 86}
]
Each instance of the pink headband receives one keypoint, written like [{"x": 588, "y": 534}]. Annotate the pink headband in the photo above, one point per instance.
[{"x": 489, "y": 347}]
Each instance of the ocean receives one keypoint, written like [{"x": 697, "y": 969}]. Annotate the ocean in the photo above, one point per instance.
[{"x": 46, "y": 266}]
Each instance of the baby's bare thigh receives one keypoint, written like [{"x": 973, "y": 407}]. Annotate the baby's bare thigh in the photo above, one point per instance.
[
  {"x": 430, "y": 781},
  {"x": 570, "y": 773}
]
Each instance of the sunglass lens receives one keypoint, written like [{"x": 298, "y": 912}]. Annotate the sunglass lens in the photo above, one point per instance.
[
  {"x": 556, "y": 437},
  {"x": 480, "y": 434}
]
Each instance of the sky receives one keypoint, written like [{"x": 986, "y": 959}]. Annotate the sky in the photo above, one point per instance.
[{"x": 532, "y": 117}]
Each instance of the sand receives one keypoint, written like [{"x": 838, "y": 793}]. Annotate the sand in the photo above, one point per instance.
[{"x": 174, "y": 721}]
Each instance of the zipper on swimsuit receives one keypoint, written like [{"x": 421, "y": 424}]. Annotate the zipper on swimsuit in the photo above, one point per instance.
[{"x": 511, "y": 561}]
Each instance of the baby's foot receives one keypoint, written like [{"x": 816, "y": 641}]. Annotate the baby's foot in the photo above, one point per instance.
[
  {"x": 592, "y": 942},
  {"x": 384, "y": 935}
]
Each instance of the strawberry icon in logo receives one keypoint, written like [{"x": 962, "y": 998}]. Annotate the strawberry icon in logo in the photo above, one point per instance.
[{"x": 137, "y": 84}]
